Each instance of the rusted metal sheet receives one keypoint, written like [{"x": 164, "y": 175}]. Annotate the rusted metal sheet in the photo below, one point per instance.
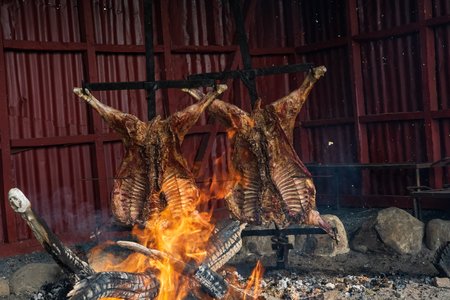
[
  {"x": 391, "y": 75},
  {"x": 442, "y": 35},
  {"x": 40, "y": 98},
  {"x": 197, "y": 22},
  {"x": 333, "y": 144},
  {"x": 331, "y": 98},
  {"x": 116, "y": 68},
  {"x": 59, "y": 183},
  {"x": 40, "y": 20},
  {"x": 119, "y": 22},
  {"x": 440, "y": 7},
  {"x": 323, "y": 20},
  {"x": 384, "y": 14},
  {"x": 384, "y": 140}
]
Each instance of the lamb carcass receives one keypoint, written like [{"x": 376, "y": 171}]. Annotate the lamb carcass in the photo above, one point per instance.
[
  {"x": 153, "y": 174},
  {"x": 273, "y": 184}
]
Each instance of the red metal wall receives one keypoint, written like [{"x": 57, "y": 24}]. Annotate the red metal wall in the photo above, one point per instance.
[{"x": 384, "y": 98}]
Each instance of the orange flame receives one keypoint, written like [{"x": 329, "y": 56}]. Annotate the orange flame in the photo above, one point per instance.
[
  {"x": 254, "y": 282},
  {"x": 184, "y": 237}
]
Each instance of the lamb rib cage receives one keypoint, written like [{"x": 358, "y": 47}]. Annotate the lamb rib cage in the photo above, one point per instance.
[
  {"x": 274, "y": 185},
  {"x": 152, "y": 162}
]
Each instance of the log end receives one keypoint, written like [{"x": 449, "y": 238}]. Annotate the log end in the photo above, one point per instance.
[{"x": 18, "y": 201}]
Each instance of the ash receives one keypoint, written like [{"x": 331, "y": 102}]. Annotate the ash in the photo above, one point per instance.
[{"x": 292, "y": 285}]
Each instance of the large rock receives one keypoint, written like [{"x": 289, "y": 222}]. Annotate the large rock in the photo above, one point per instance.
[
  {"x": 324, "y": 245},
  {"x": 4, "y": 287},
  {"x": 399, "y": 230},
  {"x": 31, "y": 277},
  {"x": 437, "y": 233},
  {"x": 392, "y": 228}
]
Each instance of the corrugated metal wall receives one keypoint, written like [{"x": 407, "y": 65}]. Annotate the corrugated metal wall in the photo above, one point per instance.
[{"x": 384, "y": 98}]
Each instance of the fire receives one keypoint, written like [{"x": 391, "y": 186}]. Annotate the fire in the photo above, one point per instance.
[
  {"x": 254, "y": 282},
  {"x": 183, "y": 238}
]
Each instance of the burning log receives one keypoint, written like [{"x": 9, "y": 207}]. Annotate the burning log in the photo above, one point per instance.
[
  {"x": 273, "y": 184},
  {"x": 121, "y": 285},
  {"x": 153, "y": 174},
  {"x": 224, "y": 244},
  {"x": 88, "y": 284},
  {"x": 69, "y": 262}
]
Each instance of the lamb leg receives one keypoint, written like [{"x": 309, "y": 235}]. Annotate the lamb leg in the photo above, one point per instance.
[
  {"x": 71, "y": 264},
  {"x": 288, "y": 107}
]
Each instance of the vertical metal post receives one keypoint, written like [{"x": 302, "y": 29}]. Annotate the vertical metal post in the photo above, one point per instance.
[
  {"x": 149, "y": 57},
  {"x": 245, "y": 52}
]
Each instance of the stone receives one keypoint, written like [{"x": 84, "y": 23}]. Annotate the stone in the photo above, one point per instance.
[
  {"x": 391, "y": 229},
  {"x": 437, "y": 233},
  {"x": 442, "y": 282},
  {"x": 324, "y": 245},
  {"x": 32, "y": 276},
  {"x": 399, "y": 230},
  {"x": 4, "y": 287},
  {"x": 331, "y": 295}
]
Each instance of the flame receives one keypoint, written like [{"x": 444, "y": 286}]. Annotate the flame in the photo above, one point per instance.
[
  {"x": 185, "y": 238},
  {"x": 254, "y": 282}
]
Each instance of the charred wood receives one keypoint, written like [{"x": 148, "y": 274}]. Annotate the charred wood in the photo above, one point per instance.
[
  {"x": 122, "y": 285},
  {"x": 70, "y": 263}
]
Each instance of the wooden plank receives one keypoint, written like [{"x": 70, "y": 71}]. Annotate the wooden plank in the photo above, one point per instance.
[
  {"x": 386, "y": 117},
  {"x": 43, "y": 46},
  {"x": 169, "y": 71},
  {"x": 202, "y": 49},
  {"x": 356, "y": 79},
  {"x": 53, "y": 141},
  {"x": 90, "y": 65},
  {"x": 325, "y": 122},
  {"x": 429, "y": 88},
  {"x": 388, "y": 33},
  {"x": 8, "y": 216}
]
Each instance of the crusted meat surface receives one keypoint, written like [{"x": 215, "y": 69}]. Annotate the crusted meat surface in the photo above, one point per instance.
[
  {"x": 153, "y": 174},
  {"x": 272, "y": 183}
]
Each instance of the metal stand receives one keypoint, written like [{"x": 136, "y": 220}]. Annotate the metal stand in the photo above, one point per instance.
[{"x": 280, "y": 242}]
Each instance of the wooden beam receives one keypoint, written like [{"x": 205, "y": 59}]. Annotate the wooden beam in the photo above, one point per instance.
[
  {"x": 429, "y": 87},
  {"x": 386, "y": 117},
  {"x": 8, "y": 218},
  {"x": 43, "y": 46},
  {"x": 90, "y": 65}
]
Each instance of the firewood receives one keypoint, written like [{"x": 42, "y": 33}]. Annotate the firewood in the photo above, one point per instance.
[
  {"x": 122, "y": 285},
  {"x": 70, "y": 263}
]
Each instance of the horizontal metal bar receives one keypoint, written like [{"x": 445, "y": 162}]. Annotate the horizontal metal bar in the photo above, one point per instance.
[
  {"x": 254, "y": 72},
  {"x": 148, "y": 85},
  {"x": 286, "y": 231}
]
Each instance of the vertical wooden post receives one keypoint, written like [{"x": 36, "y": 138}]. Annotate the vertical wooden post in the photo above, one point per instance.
[
  {"x": 354, "y": 49},
  {"x": 167, "y": 46},
  {"x": 429, "y": 89},
  {"x": 90, "y": 60},
  {"x": 8, "y": 216},
  {"x": 149, "y": 57}
]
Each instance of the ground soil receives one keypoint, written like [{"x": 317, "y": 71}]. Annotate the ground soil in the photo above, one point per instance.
[{"x": 350, "y": 276}]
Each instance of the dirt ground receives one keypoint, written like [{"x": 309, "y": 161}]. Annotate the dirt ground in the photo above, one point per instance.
[{"x": 350, "y": 276}]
